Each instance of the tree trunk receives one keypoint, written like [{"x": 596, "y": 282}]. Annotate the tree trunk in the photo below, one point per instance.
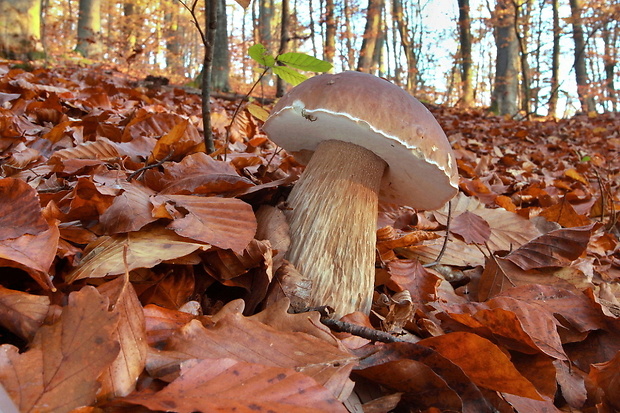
[
  {"x": 20, "y": 29},
  {"x": 555, "y": 61},
  {"x": 522, "y": 41},
  {"x": 221, "y": 66},
  {"x": 348, "y": 35},
  {"x": 173, "y": 38},
  {"x": 581, "y": 74},
  {"x": 406, "y": 42},
  {"x": 464, "y": 23},
  {"x": 284, "y": 39},
  {"x": 207, "y": 64},
  {"x": 265, "y": 24},
  {"x": 330, "y": 32},
  {"x": 89, "y": 29},
  {"x": 505, "y": 90},
  {"x": 609, "y": 57},
  {"x": 371, "y": 34}
]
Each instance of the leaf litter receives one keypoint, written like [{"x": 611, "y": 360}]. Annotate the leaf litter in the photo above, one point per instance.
[{"x": 104, "y": 183}]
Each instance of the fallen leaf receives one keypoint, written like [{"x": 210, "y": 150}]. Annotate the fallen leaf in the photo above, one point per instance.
[
  {"x": 225, "y": 384},
  {"x": 59, "y": 371}
]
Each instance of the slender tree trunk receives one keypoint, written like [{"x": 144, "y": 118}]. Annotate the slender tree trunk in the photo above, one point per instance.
[
  {"x": 406, "y": 42},
  {"x": 581, "y": 74},
  {"x": 464, "y": 24},
  {"x": 173, "y": 38},
  {"x": 284, "y": 39},
  {"x": 210, "y": 29},
  {"x": 555, "y": 60},
  {"x": 265, "y": 24},
  {"x": 348, "y": 35},
  {"x": 371, "y": 34},
  {"x": 505, "y": 91},
  {"x": 609, "y": 58},
  {"x": 89, "y": 29},
  {"x": 330, "y": 32},
  {"x": 20, "y": 29},
  {"x": 522, "y": 40},
  {"x": 221, "y": 65}
]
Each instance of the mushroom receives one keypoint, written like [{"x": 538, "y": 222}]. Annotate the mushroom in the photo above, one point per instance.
[{"x": 369, "y": 139}]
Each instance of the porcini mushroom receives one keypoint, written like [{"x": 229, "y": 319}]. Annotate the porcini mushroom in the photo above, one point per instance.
[{"x": 370, "y": 139}]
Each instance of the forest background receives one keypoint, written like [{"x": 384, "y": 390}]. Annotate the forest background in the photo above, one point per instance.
[{"x": 543, "y": 57}]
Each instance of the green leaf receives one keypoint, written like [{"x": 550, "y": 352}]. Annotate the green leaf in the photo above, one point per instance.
[
  {"x": 261, "y": 55},
  {"x": 289, "y": 75},
  {"x": 586, "y": 158},
  {"x": 303, "y": 61}
]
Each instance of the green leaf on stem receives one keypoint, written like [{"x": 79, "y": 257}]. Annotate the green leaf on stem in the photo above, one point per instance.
[
  {"x": 289, "y": 75},
  {"x": 261, "y": 55},
  {"x": 303, "y": 61}
]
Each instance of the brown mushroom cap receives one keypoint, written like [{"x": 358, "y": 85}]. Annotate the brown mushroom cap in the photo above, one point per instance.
[{"x": 371, "y": 112}]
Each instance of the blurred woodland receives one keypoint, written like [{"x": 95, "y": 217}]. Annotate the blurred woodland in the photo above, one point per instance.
[{"x": 540, "y": 57}]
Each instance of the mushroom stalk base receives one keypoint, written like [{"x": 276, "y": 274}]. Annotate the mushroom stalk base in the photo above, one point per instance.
[{"x": 333, "y": 220}]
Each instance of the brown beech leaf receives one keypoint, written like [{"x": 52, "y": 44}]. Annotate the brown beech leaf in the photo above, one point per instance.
[
  {"x": 20, "y": 211},
  {"x": 390, "y": 364},
  {"x": 245, "y": 339},
  {"x": 410, "y": 275},
  {"x": 514, "y": 323},
  {"x": 120, "y": 378},
  {"x": 101, "y": 149},
  {"x": 471, "y": 227},
  {"x": 59, "y": 371},
  {"x": 33, "y": 254},
  {"x": 145, "y": 249},
  {"x": 182, "y": 138},
  {"x": 227, "y": 223},
  {"x": 555, "y": 249},
  {"x": 162, "y": 322},
  {"x": 571, "y": 307},
  {"x": 22, "y": 313},
  {"x": 225, "y": 384},
  {"x": 131, "y": 209},
  {"x": 564, "y": 214},
  {"x": 198, "y": 173},
  {"x": 607, "y": 377},
  {"x": 483, "y": 362}
]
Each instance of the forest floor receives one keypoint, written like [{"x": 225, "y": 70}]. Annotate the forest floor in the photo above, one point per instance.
[{"x": 125, "y": 288}]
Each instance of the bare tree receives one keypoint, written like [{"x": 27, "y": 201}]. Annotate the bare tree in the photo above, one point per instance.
[
  {"x": 371, "y": 35},
  {"x": 464, "y": 25},
  {"x": 20, "y": 29},
  {"x": 505, "y": 89},
  {"x": 581, "y": 74},
  {"x": 407, "y": 44},
  {"x": 89, "y": 29}
]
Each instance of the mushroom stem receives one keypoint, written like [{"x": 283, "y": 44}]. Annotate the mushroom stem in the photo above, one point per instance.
[{"x": 333, "y": 220}]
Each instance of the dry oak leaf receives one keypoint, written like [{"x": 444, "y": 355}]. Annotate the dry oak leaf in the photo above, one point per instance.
[
  {"x": 120, "y": 378},
  {"x": 483, "y": 362},
  {"x": 226, "y": 385},
  {"x": 226, "y": 223},
  {"x": 22, "y": 313},
  {"x": 145, "y": 249},
  {"x": 59, "y": 371},
  {"x": 554, "y": 249}
]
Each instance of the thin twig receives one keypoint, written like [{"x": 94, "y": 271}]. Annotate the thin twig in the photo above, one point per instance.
[
  {"x": 360, "y": 331},
  {"x": 153, "y": 165},
  {"x": 445, "y": 241}
]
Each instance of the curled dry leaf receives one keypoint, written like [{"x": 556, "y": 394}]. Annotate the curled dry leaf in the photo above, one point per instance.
[
  {"x": 22, "y": 313},
  {"x": 119, "y": 379},
  {"x": 20, "y": 211},
  {"x": 59, "y": 371}
]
